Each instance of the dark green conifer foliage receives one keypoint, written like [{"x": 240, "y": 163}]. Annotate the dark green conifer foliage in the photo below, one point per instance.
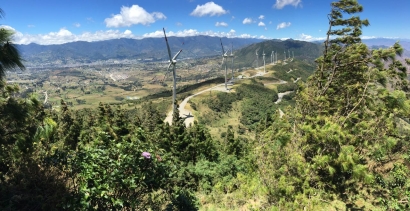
[
  {"x": 346, "y": 112},
  {"x": 150, "y": 117},
  {"x": 68, "y": 129},
  {"x": 342, "y": 137}
]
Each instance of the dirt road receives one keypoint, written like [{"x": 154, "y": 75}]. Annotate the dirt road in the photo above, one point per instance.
[{"x": 183, "y": 112}]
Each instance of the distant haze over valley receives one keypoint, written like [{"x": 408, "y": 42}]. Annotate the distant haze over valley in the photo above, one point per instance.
[{"x": 154, "y": 49}]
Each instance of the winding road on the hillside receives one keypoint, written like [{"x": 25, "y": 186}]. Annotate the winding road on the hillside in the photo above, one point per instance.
[
  {"x": 184, "y": 112},
  {"x": 189, "y": 118}
]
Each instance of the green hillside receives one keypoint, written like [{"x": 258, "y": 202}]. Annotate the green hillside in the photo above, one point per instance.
[
  {"x": 339, "y": 139},
  {"x": 305, "y": 51}
]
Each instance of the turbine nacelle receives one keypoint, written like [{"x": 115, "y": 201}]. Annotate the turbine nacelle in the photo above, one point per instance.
[{"x": 174, "y": 60}]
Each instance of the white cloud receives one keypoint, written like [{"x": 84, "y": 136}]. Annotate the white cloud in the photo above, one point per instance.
[
  {"x": 193, "y": 32},
  {"x": 31, "y": 26},
  {"x": 133, "y": 15},
  {"x": 372, "y": 37},
  {"x": 62, "y": 33},
  {"x": 128, "y": 32},
  {"x": 209, "y": 8},
  {"x": 221, "y": 24},
  {"x": 309, "y": 38},
  {"x": 178, "y": 24},
  {"x": 247, "y": 21},
  {"x": 282, "y": 3},
  {"x": 247, "y": 36},
  {"x": 65, "y": 36},
  {"x": 261, "y": 17},
  {"x": 283, "y": 25},
  {"x": 261, "y": 23},
  {"x": 76, "y": 24}
]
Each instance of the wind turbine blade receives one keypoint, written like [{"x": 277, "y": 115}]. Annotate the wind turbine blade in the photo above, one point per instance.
[
  {"x": 223, "y": 51},
  {"x": 169, "y": 50},
  {"x": 165, "y": 77},
  {"x": 169, "y": 67},
  {"x": 176, "y": 55}
]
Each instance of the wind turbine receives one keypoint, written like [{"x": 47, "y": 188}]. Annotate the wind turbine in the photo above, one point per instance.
[
  {"x": 257, "y": 58},
  {"x": 232, "y": 59},
  {"x": 264, "y": 68},
  {"x": 271, "y": 57},
  {"x": 289, "y": 54},
  {"x": 293, "y": 55},
  {"x": 285, "y": 56},
  {"x": 276, "y": 57},
  {"x": 224, "y": 57},
  {"x": 173, "y": 62}
]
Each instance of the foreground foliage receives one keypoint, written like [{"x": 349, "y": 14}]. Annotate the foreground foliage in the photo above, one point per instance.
[
  {"x": 343, "y": 145},
  {"x": 342, "y": 141}
]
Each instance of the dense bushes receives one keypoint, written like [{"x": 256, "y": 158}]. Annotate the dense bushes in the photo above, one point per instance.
[
  {"x": 221, "y": 102},
  {"x": 293, "y": 70},
  {"x": 258, "y": 103},
  {"x": 287, "y": 87}
]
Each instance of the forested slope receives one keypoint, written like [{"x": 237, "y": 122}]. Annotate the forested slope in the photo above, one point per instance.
[{"x": 343, "y": 144}]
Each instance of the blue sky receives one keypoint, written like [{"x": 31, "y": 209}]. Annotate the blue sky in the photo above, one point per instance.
[{"x": 61, "y": 21}]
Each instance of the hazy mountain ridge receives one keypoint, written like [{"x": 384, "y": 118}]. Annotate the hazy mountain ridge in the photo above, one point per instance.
[
  {"x": 155, "y": 48},
  {"x": 193, "y": 47},
  {"x": 405, "y": 43}
]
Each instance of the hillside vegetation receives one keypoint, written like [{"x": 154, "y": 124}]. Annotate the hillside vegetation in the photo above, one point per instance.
[
  {"x": 342, "y": 142},
  {"x": 302, "y": 50}
]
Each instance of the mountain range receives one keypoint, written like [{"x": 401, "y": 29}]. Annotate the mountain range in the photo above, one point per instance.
[
  {"x": 148, "y": 48},
  {"x": 154, "y": 49}
]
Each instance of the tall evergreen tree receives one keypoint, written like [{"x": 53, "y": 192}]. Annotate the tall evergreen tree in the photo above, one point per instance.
[
  {"x": 345, "y": 123},
  {"x": 348, "y": 107}
]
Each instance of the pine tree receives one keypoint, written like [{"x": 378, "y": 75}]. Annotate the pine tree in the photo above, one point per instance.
[
  {"x": 344, "y": 125},
  {"x": 346, "y": 110}
]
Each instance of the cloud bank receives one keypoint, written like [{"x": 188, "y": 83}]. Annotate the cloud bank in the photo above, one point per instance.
[{"x": 65, "y": 36}]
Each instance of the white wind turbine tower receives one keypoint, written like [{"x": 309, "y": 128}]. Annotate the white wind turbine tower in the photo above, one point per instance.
[
  {"x": 257, "y": 58},
  {"x": 264, "y": 68},
  {"x": 271, "y": 57},
  {"x": 173, "y": 62},
  {"x": 276, "y": 57},
  {"x": 224, "y": 57},
  {"x": 293, "y": 55},
  {"x": 289, "y": 54},
  {"x": 232, "y": 58},
  {"x": 285, "y": 55}
]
